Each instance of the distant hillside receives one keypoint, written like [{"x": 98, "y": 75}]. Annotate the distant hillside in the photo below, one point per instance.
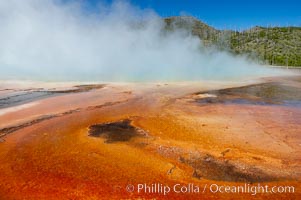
[{"x": 274, "y": 46}]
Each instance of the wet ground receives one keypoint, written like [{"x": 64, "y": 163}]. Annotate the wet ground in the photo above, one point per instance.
[
  {"x": 90, "y": 144},
  {"x": 211, "y": 168},
  {"x": 120, "y": 131},
  {"x": 273, "y": 93}
]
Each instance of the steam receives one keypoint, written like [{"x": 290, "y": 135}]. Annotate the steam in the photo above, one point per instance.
[{"x": 59, "y": 40}]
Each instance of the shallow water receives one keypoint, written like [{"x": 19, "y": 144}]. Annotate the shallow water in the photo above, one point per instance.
[
  {"x": 19, "y": 98},
  {"x": 273, "y": 93},
  {"x": 25, "y": 96}
]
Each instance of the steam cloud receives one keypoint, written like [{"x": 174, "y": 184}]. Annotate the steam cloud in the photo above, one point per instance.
[{"x": 52, "y": 39}]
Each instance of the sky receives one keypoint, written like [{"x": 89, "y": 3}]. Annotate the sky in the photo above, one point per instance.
[{"x": 227, "y": 14}]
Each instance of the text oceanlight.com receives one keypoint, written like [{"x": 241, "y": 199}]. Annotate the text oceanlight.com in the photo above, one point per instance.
[{"x": 253, "y": 189}]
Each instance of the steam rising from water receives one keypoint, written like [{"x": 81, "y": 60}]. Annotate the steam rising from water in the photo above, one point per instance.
[{"x": 49, "y": 39}]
